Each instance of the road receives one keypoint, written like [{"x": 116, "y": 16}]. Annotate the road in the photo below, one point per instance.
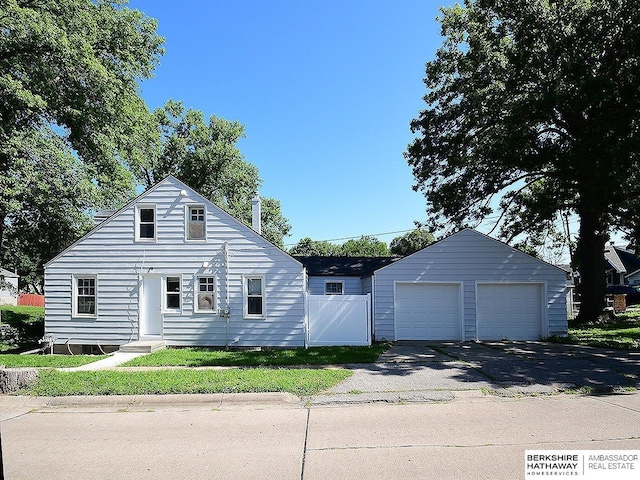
[{"x": 276, "y": 436}]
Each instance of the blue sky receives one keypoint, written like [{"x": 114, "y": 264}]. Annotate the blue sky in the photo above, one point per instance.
[{"x": 326, "y": 91}]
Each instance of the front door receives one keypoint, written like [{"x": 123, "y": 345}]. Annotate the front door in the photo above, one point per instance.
[{"x": 151, "y": 307}]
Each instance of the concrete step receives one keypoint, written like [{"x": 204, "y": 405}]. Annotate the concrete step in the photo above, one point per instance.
[{"x": 143, "y": 346}]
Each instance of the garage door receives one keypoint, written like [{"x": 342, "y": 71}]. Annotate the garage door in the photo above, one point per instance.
[
  {"x": 427, "y": 311},
  {"x": 509, "y": 311}
]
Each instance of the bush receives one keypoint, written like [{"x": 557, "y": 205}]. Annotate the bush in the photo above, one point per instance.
[{"x": 20, "y": 327}]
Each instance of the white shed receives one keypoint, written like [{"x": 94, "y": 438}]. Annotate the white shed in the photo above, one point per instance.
[{"x": 469, "y": 287}]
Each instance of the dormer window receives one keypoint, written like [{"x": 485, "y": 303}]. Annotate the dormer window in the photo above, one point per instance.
[
  {"x": 196, "y": 223},
  {"x": 146, "y": 223}
]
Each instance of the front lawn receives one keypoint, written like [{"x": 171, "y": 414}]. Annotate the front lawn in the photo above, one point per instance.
[
  {"x": 51, "y": 361},
  {"x": 296, "y": 381},
  {"x": 203, "y": 357},
  {"x": 621, "y": 333}
]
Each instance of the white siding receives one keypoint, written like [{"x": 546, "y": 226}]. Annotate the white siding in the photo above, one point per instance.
[
  {"x": 351, "y": 285},
  {"x": 111, "y": 253},
  {"x": 8, "y": 297},
  {"x": 469, "y": 257}
]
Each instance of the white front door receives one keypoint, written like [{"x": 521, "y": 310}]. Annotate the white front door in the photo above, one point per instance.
[{"x": 151, "y": 307}]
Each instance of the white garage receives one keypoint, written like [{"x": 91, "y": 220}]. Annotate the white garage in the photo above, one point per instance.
[
  {"x": 428, "y": 311},
  {"x": 468, "y": 286},
  {"x": 510, "y": 311}
]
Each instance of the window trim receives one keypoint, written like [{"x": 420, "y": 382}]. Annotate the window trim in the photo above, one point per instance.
[
  {"x": 245, "y": 298},
  {"x": 165, "y": 307},
  {"x": 138, "y": 223},
  {"x": 187, "y": 216},
  {"x": 196, "y": 290},
  {"x": 327, "y": 282},
  {"x": 75, "y": 295}
]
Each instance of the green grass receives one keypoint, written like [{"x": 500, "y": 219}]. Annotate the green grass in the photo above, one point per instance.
[
  {"x": 22, "y": 327},
  {"x": 295, "y": 381},
  {"x": 202, "y": 357},
  {"x": 51, "y": 361},
  {"x": 621, "y": 333}
]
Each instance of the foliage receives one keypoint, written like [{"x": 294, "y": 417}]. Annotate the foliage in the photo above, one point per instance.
[
  {"x": 205, "y": 156},
  {"x": 621, "y": 333},
  {"x": 411, "y": 242},
  {"x": 20, "y": 327},
  {"x": 365, "y": 246},
  {"x": 536, "y": 103},
  {"x": 48, "y": 361},
  {"x": 309, "y": 248},
  {"x": 71, "y": 119},
  {"x": 204, "y": 357},
  {"x": 51, "y": 383}
]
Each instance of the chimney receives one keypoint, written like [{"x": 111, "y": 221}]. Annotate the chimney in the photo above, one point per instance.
[{"x": 256, "y": 212}]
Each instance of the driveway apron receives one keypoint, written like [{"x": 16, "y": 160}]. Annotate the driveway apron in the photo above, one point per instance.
[{"x": 499, "y": 367}]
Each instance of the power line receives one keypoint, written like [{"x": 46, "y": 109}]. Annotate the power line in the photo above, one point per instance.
[{"x": 357, "y": 236}]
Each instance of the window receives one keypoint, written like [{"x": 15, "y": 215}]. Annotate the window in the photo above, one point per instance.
[
  {"x": 254, "y": 292},
  {"x": 206, "y": 287},
  {"x": 172, "y": 294},
  {"x": 146, "y": 220},
  {"x": 333, "y": 288},
  {"x": 195, "y": 223},
  {"x": 85, "y": 296}
]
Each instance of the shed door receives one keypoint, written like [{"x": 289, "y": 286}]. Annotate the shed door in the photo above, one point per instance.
[
  {"x": 509, "y": 311},
  {"x": 428, "y": 311}
]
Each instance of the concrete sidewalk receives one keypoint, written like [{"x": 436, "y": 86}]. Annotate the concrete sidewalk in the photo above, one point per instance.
[{"x": 471, "y": 437}]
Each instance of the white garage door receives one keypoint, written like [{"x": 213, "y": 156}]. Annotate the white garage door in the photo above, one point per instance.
[
  {"x": 509, "y": 311},
  {"x": 427, "y": 311}
]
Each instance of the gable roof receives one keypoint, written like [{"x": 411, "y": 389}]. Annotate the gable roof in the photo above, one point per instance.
[
  {"x": 182, "y": 185},
  {"x": 8, "y": 274},
  {"x": 344, "y": 266},
  {"x": 481, "y": 235}
]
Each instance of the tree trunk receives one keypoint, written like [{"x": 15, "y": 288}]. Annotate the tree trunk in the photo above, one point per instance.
[{"x": 591, "y": 243}]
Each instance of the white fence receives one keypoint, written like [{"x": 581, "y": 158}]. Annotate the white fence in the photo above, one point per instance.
[{"x": 339, "y": 320}]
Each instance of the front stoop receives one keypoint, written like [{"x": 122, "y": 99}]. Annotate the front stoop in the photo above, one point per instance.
[{"x": 143, "y": 346}]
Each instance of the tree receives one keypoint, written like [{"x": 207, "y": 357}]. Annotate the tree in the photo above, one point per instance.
[
  {"x": 205, "y": 156},
  {"x": 71, "y": 119},
  {"x": 535, "y": 102},
  {"x": 411, "y": 242},
  {"x": 365, "y": 246},
  {"x": 308, "y": 248}
]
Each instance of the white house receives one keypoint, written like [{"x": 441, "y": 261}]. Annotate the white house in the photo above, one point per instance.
[
  {"x": 173, "y": 266},
  {"x": 8, "y": 287}
]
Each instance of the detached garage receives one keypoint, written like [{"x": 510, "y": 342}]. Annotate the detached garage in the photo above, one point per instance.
[{"x": 469, "y": 287}]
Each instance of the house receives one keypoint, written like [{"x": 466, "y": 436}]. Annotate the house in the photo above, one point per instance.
[
  {"x": 8, "y": 287},
  {"x": 172, "y": 266},
  {"x": 622, "y": 267},
  {"x": 469, "y": 286}
]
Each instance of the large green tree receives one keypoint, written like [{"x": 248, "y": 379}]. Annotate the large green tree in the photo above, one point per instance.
[
  {"x": 309, "y": 248},
  {"x": 204, "y": 155},
  {"x": 72, "y": 122},
  {"x": 535, "y": 102},
  {"x": 411, "y": 242}
]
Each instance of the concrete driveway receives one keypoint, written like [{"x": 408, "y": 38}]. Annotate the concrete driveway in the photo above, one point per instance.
[{"x": 438, "y": 371}]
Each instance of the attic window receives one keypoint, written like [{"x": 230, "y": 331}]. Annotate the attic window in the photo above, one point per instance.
[
  {"x": 333, "y": 288},
  {"x": 196, "y": 223},
  {"x": 146, "y": 223}
]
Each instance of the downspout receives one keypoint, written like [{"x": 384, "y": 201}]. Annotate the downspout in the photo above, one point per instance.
[
  {"x": 373, "y": 309},
  {"x": 305, "y": 291},
  {"x": 226, "y": 287}
]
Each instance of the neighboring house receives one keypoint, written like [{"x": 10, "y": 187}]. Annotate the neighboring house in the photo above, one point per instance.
[
  {"x": 622, "y": 267},
  {"x": 8, "y": 287},
  {"x": 173, "y": 266},
  {"x": 469, "y": 287}
]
